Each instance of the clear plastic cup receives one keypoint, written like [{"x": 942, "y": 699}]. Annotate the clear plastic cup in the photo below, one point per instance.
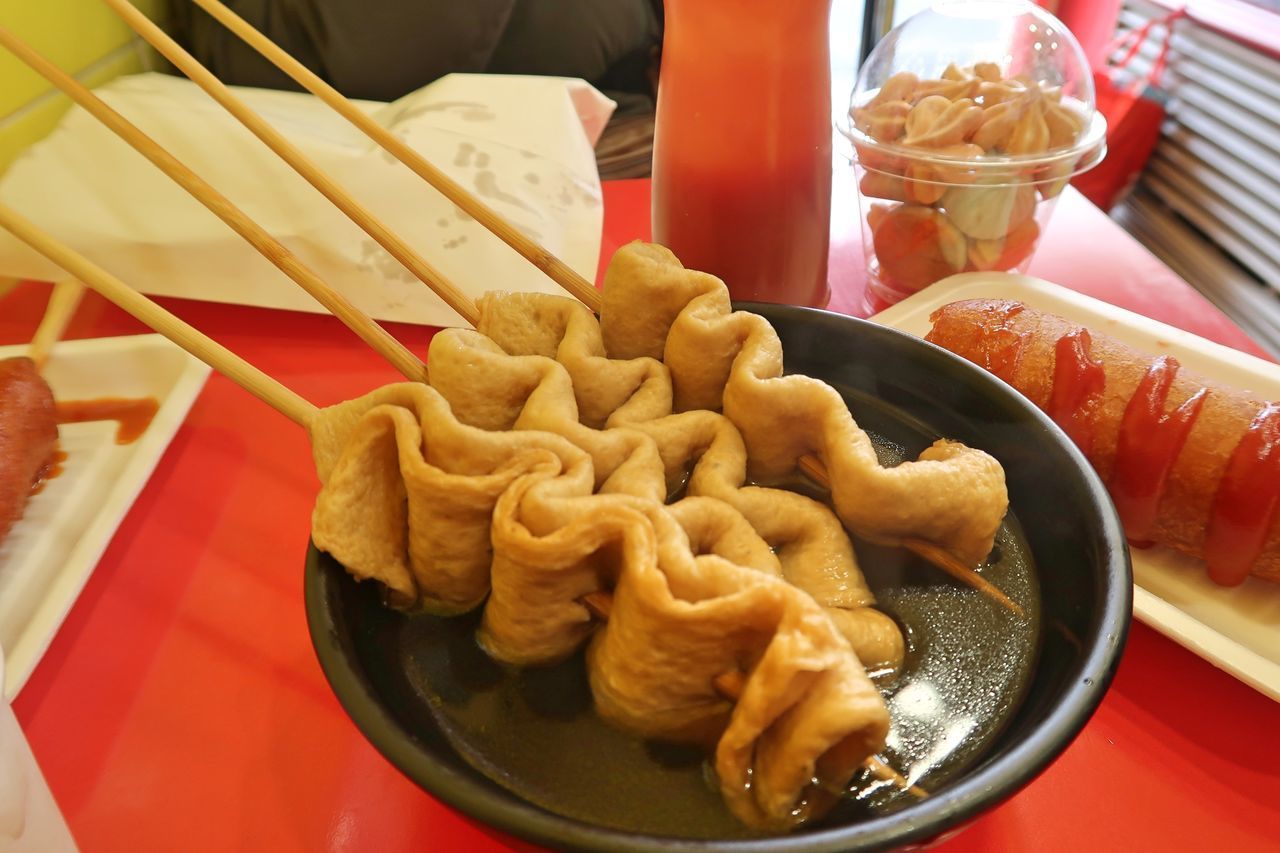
[{"x": 966, "y": 123}]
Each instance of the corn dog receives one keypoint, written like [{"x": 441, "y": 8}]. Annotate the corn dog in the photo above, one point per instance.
[{"x": 1190, "y": 463}]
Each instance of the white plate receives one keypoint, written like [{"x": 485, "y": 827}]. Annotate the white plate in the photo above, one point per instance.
[
  {"x": 1237, "y": 629},
  {"x": 50, "y": 553}
]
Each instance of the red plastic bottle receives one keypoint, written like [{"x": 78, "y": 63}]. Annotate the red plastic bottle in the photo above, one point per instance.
[{"x": 742, "y": 147}]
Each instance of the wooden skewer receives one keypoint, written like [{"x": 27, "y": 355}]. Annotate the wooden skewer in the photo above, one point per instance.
[
  {"x": 885, "y": 773},
  {"x": 947, "y": 561},
  {"x": 63, "y": 301},
  {"x": 373, "y": 334},
  {"x": 598, "y": 604},
  {"x": 557, "y": 270},
  {"x": 201, "y": 346},
  {"x": 304, "y": 166},
  {"x": 813, "y": 468}
]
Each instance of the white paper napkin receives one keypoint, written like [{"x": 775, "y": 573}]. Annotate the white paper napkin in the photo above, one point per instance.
[{"x": 523, "y": 144}]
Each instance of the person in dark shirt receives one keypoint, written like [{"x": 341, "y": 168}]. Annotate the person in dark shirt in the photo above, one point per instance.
[{"x": 383, "y": 49}]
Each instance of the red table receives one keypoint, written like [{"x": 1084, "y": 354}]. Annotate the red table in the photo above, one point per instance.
[{"x": 181, "y": 706}]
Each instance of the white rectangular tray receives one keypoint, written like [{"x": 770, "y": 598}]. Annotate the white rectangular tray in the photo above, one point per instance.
[
  {"x": 49, "y": 554},
  {"x": 1237, "y": 629}
]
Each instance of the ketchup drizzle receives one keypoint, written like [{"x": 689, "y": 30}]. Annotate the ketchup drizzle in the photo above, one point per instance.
[
  {"x": 1148, "y": 444},
  {"x": 1245, "y": 505},
  {"x": 132, "y": 416},
  {"x": 1078, "y": 381}
]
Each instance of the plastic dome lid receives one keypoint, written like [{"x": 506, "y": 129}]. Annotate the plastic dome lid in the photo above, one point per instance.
[{"x": 991, "y": 83}]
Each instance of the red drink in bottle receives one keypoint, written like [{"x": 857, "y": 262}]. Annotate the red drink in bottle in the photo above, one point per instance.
[{"x": 742, "y": 148}]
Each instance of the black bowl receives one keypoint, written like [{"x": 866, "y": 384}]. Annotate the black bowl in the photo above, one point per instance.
[{"x": 391, "y": 673}]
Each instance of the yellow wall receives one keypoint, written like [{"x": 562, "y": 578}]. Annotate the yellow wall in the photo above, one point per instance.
[{"x": 85, "y": 38}]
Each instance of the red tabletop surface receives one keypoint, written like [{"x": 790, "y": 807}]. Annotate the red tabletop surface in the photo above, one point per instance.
[{"x": 181, "y": 707}]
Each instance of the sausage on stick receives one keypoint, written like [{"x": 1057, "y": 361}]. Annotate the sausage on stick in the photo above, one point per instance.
[{"x": 1190, "y": 463}]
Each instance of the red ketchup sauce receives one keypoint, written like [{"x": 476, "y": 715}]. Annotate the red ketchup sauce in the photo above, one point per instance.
[
  {"x": 1148, "y": 445},
  {"x": 1078, "y": 381},
  {"x": 1246, "y": 502}
]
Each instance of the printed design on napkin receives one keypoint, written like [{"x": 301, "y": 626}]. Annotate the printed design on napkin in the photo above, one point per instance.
[{"x": 490, "y": 133}]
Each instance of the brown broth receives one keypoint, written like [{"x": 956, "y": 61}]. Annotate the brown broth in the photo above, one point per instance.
[{"x": 534, "y": 732}]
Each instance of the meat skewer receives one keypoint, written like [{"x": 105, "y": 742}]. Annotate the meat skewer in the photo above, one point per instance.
[
  {"x": 730, "y": 685},
  {"x": 277, "y": 143},
  {"x": 361, "y": 324},
  {"x": 558, "y": 271},
  {"x": 813, "y": 468},
  {"x": 884, "y": 649}
]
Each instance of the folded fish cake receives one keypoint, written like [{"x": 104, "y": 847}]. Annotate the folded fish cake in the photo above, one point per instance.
[
  {"x": 953, "y": 496},
  {"x": 489, "y": 387},
  {"x": 807, "y": 716},
  {"x": 408, "y": 493}
]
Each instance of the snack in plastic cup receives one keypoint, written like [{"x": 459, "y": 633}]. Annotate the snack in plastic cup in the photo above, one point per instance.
[{"x": 966, "y": 123}]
